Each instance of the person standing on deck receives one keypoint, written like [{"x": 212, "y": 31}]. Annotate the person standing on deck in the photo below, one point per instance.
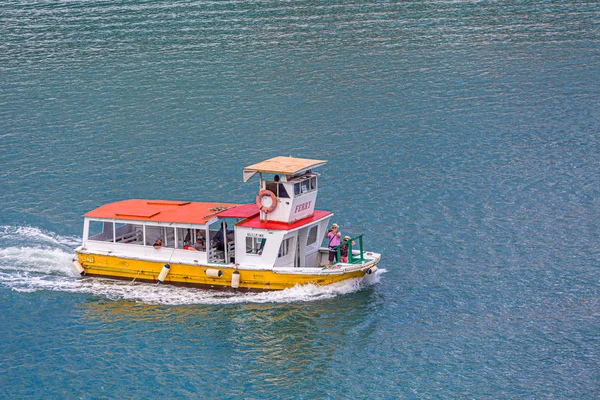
[
  {"x": 220, "y": 239},
  {"x": 334, "y": 240}
]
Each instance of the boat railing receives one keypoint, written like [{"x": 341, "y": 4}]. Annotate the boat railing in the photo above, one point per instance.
[
  {"x": 215, "y": 255},
  {"x": 352, "y": 258},
  {"x": 128, "y": 237},
  {"x": 231, "y": 251}
]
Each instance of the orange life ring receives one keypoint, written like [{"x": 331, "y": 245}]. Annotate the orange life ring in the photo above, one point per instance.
[{"x": 259, "y": 197}]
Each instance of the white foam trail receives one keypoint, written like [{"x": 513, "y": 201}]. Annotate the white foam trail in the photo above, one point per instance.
[
  {"x": 37, "y": 261},
  {"x": 32, "y": 234},
  {"x": 43, "y": 260},
  {"x": 171, "y": 295}
]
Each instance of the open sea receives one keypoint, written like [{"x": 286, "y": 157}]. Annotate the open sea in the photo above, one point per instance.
[{"x": 463, "y": 140}]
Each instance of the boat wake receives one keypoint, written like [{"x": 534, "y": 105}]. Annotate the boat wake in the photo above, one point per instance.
[{"x": 32, "y": 260}]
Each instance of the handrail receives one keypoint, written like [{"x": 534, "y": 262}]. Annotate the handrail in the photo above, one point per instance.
[
  {"x": 128, "y": 235},
  {"x": 351, "y": 258}
]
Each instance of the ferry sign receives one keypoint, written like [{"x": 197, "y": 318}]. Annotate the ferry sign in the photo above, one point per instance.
[{"x": 302, "y": 207}]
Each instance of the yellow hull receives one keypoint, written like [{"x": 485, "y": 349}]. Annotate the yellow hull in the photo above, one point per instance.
[{"x": 195, "y": 275}]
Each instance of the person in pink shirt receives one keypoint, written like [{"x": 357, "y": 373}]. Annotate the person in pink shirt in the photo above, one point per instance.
[{"x": 334, "y": 240}]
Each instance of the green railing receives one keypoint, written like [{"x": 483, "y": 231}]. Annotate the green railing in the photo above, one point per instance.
[{"x": 352, "y": 259}]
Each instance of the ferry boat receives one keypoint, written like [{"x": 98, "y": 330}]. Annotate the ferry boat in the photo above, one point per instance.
[{"x": 272, "y": 244}]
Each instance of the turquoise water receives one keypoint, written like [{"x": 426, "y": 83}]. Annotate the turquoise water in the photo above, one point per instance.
[{"x": 462, "y": 139}]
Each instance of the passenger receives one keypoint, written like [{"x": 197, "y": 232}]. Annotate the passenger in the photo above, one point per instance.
[
  {"x": 334, "y": 240},
  {"x": 186, "y": 246},
  {"x": 344, "y": 248},
  {"x": 219, "y": 240},
  {"x": 199, "y": 245},
  {"x": 157, "y": 243}
]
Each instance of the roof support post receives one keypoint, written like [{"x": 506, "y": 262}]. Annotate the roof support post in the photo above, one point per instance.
[{"x": 224, "y": 228}]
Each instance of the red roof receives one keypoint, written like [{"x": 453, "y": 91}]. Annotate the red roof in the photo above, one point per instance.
[
  {"x": 283, "y": 226},
  {"x": 240, "y": 211},
  {"x": 166, "y": 211}
]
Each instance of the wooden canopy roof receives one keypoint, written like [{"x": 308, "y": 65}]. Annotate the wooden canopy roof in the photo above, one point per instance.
[{"x": 282, "y": 165}]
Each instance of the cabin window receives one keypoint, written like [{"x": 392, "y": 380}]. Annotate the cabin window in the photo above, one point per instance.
[
  {"x": 184, "y": 237},
  {"x": 129, "y": 233},
  {"x": 278, "y": 189},
  {"x": 313, "y": 183},
  {"x": 272, "y": 186},
  {"x": 282, "y": 192},
  {"x": 255, "y": 245},
  {"x": 101, "y": 231},
  {"x": 200, "y": 233},
  {"x": 296, "y": 189},
  {"x": 166, "y": 233},
  {"x": 312, "y": 235},
  {"x": 189, "y": 236},
  {"x": 284, "y": 248}
]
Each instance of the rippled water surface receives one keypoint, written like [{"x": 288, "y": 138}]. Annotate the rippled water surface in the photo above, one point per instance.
[{"x": 462, "y": 139}]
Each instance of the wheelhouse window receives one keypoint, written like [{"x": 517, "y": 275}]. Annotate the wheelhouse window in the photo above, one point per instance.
[
  {"x": 272, "y": 186},
  {"x": 278, "y": 189},
  {"x": 305, "y": 186},
  {"x": 282, "y": 192}
]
